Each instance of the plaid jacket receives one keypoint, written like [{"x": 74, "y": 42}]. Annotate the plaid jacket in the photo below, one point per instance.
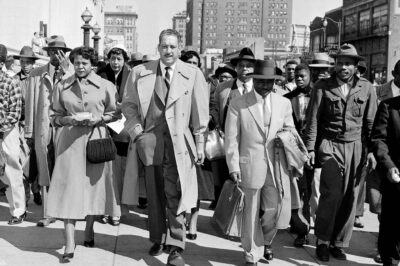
[{"x": 10, "y": 102}]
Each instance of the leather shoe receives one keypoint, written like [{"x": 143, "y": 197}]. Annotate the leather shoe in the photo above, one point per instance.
[
  {"x": 17, "y": 220},
  {"x": 377, "y": 258},
  {"x": 322, "y": 252},
  {"x": 338, "y": 253},
  {"x": 175, "y": 257},
  {"x": 45, "y": 222},
  {"x": 88, "y": 244},
  {"x": 191, "y": 236},
  {"x": 358, "y": 223},
  {"x": 156, "y": 249},
  {"x": 37, "y": 198},
  {"x": 300, "y": 241},
  {"x": 268, "y": 254}
]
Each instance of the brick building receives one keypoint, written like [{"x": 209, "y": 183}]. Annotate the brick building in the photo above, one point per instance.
[
  {"x": 231, "y": 24},
  {"x": 120, "y": 27}
]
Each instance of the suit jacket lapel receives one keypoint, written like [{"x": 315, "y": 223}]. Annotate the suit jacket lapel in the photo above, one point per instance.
[
  {"x": 275, "y": 111},
  {"x": 160, "y": 90},
  {"x": 254, "y": 110},
  {"x": 177, "y": 87}
]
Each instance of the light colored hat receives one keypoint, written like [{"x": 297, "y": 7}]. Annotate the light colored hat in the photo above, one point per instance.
[
  {"x": 117, "y": 46},
  {"x": 135, "y": 57},
  {"x": 320, "y": 60},
  {"x": 149, "y": 57},
  {"x": 347, "y": 50},
  {"x": 57, "y": 41}
]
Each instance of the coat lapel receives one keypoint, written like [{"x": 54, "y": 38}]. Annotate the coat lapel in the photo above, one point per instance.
[
  {"x": 145, "y": 87},
  {"x": 254, "y": 110},
  {"x": 275, "y": 111},
  {"x": 178, "y": 86}
]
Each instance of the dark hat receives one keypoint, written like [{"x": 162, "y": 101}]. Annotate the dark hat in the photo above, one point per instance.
[
  {"x": 347, "y": 50},
  {"x": 136, "y": 57},
  {"x": 26, "y": 52},
  {"x": 264, "y": 69},
  {"x": 57, "y": 41},
  {"x": 320, "y": 60},
  {"x": 225, "y": 68},
  {"x": 245, "y": 54},
  {"x": 3, "y": 53}
]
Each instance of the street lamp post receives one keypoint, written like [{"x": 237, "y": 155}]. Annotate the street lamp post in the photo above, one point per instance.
[
  {"x": 338, "y": 23},
  {"x": 86, "y": 17},
  {"x": 96, "y": 29}
]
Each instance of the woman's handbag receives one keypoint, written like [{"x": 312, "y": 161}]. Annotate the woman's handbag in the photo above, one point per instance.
[
  {"x": 215, "y": 144},
  {"x": 100, "y": 150},
  {"x": 228, "y": 213}
]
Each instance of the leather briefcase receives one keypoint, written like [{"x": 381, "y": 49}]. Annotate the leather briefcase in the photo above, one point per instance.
[
  {"x": 214, "y": 148},
  {"x": 228, "y": 214}
]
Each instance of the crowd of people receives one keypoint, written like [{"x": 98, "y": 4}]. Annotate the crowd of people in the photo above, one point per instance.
[{"x": 91, "y": 138}]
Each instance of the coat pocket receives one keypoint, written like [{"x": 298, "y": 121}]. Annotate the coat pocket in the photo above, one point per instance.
[{"x": 359, "y": 106}]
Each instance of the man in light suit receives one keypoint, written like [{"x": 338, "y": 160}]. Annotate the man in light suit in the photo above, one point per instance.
[
  {"x": 163, "y": 98},
  {"x": 392, "y": 88},
  {"x": 251, "y": 125}
]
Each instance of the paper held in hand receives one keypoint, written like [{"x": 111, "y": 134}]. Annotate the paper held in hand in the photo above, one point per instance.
[
  {"x": 117, "y": 126},
  {"x": 81, "y": 116}
]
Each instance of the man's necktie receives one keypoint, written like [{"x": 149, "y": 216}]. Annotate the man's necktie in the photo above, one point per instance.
[
  {"x": 56, "y": 71},
  {"x": 246, "y": 88},
  {"x": 267, "y": 116},
  {"x": 167, "y": 76}
]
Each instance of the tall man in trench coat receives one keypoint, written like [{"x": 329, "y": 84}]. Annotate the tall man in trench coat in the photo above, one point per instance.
[
  {"x": 163, "y": 100},
  {"x": 38, "y": 131}
]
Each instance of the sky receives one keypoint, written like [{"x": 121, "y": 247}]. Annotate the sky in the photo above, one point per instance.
[{"x": 156, "y": 15}]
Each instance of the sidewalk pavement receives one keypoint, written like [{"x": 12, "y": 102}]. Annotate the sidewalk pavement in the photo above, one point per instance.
[{"x": 127, "y": 244}]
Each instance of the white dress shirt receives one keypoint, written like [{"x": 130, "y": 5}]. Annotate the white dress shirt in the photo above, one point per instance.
[
  {"x": 344, "y": 88},
  {"x": 395, "y": 90},
  {"x": 240, "y": 85},
  {"x": 171, "y": 72}
]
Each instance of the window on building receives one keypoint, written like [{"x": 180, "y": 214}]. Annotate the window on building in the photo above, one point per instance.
[
  {"x": 109, "y": 21},
  {"x": 350, "y": 25},
  {"x": 380, "y": 19},
  {"x": 119, "y": 21},
  {"x": 230, "y": 5},
  {"x": 365, "y": 22}
]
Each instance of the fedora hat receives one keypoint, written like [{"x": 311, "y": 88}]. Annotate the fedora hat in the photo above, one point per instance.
[
  {"x": 136, "y": 57},
  {"x": 347, "y": 50},
  {"x": 264, "y": 69},
  {"x": 26, "y": 52},
  {"x": 245, "y": 54},
  {"x": 57, "y": 41},
  {"x": 149, "y": 57},
  {"x": 320, "y": 60},
  {"x": 225, "y": 68}
]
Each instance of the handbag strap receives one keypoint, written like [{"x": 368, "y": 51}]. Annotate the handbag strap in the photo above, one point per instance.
[{"x": 98, "y": 125}]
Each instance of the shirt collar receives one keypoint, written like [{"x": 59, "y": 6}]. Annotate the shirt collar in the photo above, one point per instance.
[
  {"x": 163, "y": 66},
  {"x": 240, "y": 83}
]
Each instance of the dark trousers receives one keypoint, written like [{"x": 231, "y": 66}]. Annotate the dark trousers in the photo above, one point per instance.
[
  {"x": 340, "y": 176},
  {"x": 300, "y": 220},
  {"x": 362, "y": 192},
  {"x": 389, "y": 228},
  {"x": 163, "y": 197}
]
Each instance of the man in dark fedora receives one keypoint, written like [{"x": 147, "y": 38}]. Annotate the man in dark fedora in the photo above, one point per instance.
[
  {"x": 38, "y": 130},
  {"x": 27, "y": 59},
  {"x": 342, "y": 110},
  {"x": 249, "y": 144},
  {"x": 224, "y": 93}
]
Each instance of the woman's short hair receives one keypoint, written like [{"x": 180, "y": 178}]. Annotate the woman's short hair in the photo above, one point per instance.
[
  {"x": 190, "y": 54},
  {"x": 118, "y": 51},
  {"x": 86, "y": 52}
]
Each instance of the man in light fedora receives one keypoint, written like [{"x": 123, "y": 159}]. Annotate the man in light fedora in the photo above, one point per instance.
[
  {"x": 38, "y": 130},
  {"x": 319, "y": 67},
  {"x": 252, "y": 123},
  {"x": 27, "y": 59},
  {"x": 342, "y": 110},
  {"x": 136, "y": 59}
]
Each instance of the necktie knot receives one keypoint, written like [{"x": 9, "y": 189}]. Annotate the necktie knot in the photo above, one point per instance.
[{"x": 246, "y": 88}]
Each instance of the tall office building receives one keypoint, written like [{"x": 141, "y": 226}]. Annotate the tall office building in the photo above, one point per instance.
[
  {"x": 179, "y": 24},
  {"x": 120, "y": 27},
  {"x": 231, "y": 24}
]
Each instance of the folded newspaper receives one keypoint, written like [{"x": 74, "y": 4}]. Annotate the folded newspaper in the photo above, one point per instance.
[{"x": 117, "y": 126}]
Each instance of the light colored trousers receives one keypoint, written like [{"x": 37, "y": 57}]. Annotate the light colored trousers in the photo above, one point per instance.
[
  {"x": 315, "y": 193},
  {"x": 259, "y": 231},
  {"x": 13, "y": 174}
]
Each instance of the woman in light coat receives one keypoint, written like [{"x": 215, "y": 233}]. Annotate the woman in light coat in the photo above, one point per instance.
[{"x": 79, "y": 189}]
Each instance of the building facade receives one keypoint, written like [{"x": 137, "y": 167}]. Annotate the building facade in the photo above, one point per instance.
[
  {"x": 49, "y": 16},
  {"x": 120, "y": 28},
  {"x": 179, "y": 24},
  {"x": 300, "y": 39},
  {"x": 231, "y": 24}
]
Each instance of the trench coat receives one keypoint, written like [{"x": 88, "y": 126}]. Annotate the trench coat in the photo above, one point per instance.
[
  {"x": 186, "y": 106},
  {"x": 78, "y": 187},
  {"x": 38, "y": 97}
]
